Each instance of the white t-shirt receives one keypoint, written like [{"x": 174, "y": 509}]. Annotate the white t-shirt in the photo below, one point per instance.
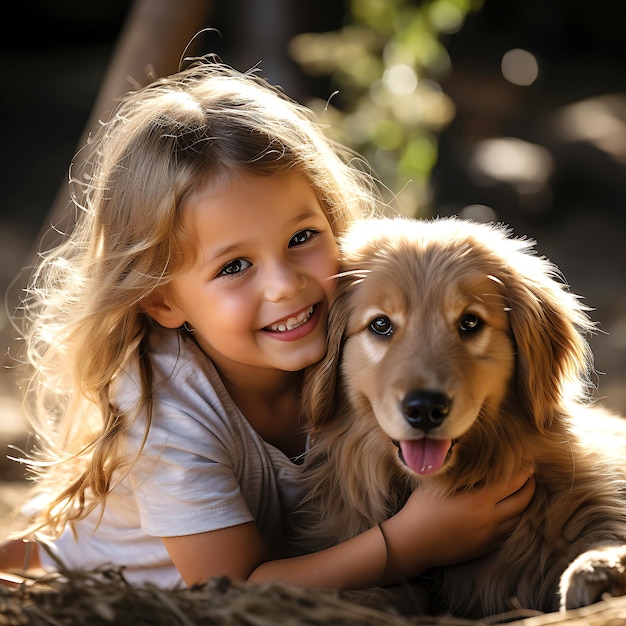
[{"x": 203, "y": 467}]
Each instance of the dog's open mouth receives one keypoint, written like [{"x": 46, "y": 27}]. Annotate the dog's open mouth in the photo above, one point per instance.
[{"x": 425, "y": 455}]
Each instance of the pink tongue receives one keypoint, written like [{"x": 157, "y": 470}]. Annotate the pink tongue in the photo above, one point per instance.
[{"x": 426, "y": 455}]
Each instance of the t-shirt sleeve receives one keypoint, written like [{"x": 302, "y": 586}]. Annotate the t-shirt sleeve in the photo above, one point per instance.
[{"x": 184, "y": 479}]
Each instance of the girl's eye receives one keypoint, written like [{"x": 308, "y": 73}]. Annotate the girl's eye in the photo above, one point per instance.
[
  {"x": 382, "y": 326},
  {"x": 302, "y": 236},
  {"x": 470, "y": 323},
  {"x": 234, "y": 267}
]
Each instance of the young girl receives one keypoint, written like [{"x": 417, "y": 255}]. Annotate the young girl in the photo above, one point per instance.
[{"x": 167, "y": 338}]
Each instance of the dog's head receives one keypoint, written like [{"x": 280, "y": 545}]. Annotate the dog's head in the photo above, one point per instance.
[{"x": 437, "y": 326}]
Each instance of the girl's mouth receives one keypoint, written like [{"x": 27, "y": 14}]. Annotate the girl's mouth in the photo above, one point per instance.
[{"x": 292, "y": 322}]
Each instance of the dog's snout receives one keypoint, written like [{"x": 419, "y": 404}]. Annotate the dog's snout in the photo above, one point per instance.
[{"x": 425, "y": 409}]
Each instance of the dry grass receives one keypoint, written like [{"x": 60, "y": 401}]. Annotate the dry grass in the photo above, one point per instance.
[{"x": 105, "y": 598}]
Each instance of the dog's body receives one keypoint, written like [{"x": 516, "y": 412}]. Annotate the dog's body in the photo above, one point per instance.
[{"x": 455, "y": 357}]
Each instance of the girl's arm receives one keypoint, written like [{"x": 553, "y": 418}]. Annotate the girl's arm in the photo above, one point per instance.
[
  {"x": 427, "y": 532},
  {"x": 240, "y": 553}
]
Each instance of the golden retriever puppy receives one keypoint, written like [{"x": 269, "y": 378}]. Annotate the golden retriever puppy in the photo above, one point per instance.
[{"x": 455, "y": 355}]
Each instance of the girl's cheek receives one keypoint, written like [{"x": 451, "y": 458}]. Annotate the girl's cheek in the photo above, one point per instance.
[
  {"x": 333, "y": 256},
  {"x": 331, "y": 282}
]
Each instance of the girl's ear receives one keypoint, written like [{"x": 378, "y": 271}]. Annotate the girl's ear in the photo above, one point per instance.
[{"x": 159, "y": 306}]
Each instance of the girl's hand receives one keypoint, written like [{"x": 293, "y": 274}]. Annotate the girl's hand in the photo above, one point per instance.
[
  {"x": 432, "y": 531},
  {"x": 427, "y": 532}
]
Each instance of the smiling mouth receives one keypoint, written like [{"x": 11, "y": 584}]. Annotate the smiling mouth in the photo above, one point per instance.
[{"x": 292, "y": 322}]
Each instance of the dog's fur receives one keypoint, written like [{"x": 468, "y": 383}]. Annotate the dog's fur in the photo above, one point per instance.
[{"x": 476, "y": 316}]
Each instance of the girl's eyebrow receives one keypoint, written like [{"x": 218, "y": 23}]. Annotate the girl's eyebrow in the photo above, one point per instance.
[
  {"x": 220, "y": 253},
  {"x": 306, "y": 215}
]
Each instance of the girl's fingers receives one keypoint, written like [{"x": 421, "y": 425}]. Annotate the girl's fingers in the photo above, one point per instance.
[{"x": 517, "y": 501}]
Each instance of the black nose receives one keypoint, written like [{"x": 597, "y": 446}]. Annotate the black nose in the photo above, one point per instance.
[{"x": 425, "y": 409}]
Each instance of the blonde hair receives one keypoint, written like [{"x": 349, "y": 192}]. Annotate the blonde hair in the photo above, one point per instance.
[{"x": 83, "y": 314}]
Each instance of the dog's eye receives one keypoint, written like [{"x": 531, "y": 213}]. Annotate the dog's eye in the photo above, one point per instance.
[
  {"x": 382, "y": 326},
  {"x": 470, "y": 323}
]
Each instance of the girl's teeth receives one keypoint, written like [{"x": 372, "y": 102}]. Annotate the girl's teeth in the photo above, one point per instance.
[{"x": 293, "y": 322}]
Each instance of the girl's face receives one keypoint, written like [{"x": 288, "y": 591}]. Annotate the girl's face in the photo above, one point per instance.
[{"x": 259, "y": 291}]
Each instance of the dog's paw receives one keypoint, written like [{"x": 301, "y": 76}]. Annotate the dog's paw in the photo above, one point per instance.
[{"x": 592, "y": 576}]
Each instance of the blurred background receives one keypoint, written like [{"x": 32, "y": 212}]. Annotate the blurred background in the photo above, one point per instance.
[{"x": 502, "y": 110}]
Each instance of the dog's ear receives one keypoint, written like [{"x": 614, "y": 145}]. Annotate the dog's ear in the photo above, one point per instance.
[
  {"x": 320, "y": 382},
  {"x": 548, "y": 325}
]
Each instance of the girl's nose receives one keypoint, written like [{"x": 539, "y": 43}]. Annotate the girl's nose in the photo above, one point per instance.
[{"x": 283, "y": 281}]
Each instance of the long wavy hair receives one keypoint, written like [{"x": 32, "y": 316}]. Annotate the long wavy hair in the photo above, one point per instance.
[{"x": 82, "y": 316}]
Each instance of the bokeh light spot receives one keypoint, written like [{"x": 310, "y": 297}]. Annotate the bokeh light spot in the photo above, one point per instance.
[
  {"x": 400, "y": 79},
  {"x": 478, "y": 213},
  {"x": 520, "y": 67}
]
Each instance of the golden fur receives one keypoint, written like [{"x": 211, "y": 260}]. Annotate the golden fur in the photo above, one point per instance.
[{"x": 476, "y": 317}]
